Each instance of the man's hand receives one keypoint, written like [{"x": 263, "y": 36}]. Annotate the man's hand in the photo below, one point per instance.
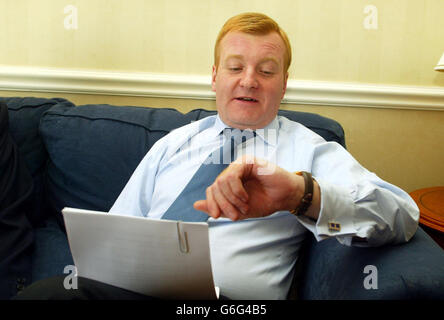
[{"x": 252, "y": 188}]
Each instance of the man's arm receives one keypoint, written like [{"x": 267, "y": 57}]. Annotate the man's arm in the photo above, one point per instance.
[
  {"x": 252, "y": 188},
  {"x": 373, "y": 213}
]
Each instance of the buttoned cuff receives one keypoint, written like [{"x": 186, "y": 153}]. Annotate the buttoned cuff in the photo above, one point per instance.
[{"x": 336, "y": 214}]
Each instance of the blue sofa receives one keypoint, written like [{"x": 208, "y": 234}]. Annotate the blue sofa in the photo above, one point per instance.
[{"x": 82, "y": 156}]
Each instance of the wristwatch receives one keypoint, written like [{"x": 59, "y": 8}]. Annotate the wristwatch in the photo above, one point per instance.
[{"x": 308, "y": 194}]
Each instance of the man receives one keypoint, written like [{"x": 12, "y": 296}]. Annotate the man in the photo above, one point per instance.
[{"x": 254, "y": 237}]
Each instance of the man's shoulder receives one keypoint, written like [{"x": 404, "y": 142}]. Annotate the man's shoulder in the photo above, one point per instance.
[
  {"x": 297, "y": 129},
  {"x": 193, "y": 127},
  {"x": 177, "y": 137}
]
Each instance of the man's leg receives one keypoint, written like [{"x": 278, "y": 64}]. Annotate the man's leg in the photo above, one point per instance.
[
  {"x": 83, "y": 289},
  {"x": 16, "y": 235}
]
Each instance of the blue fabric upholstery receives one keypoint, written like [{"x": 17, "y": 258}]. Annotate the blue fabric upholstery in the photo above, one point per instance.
[
  {"x": 94, "y": 149},
  {"x": 24, "y": 119},
  {"x": 51, "y": 251},
  {"x": 408, "y": 271}
]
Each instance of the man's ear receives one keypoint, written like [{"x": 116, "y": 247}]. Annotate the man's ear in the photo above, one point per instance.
[{"x": 213, "y": 78}]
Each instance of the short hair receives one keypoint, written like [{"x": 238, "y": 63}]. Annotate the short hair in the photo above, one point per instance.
[{"x": 255, "y": 24}]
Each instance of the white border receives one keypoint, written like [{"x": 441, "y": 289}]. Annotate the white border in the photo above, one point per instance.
[{"x": 300, "y": 92}]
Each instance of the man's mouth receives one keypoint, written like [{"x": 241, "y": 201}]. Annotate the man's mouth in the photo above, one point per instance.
[{"x": 249, "y": 99}]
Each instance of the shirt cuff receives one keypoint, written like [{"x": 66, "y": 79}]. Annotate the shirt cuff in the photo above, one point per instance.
[{"x": 337, "y": 208}]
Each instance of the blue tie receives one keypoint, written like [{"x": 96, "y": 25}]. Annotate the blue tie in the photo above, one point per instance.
[{"x": 182, "y": 208}]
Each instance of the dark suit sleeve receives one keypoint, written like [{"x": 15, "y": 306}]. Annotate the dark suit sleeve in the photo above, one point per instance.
[{"x": 16, "y": 235}]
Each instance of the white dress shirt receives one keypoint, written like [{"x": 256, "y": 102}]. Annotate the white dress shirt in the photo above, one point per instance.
[{"x": 255, "y": 258}]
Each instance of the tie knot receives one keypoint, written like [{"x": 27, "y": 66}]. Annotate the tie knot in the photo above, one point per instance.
[
  {"x": 238, "y": 136},
  {"x": 233, "y": 138}
]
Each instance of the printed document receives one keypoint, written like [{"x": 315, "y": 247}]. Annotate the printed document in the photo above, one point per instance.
[{"x": 160, "y": 258}]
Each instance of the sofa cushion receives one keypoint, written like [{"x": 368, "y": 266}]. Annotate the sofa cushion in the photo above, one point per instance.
[
  {"x": 94, "y": 149},
  {"x": 24, "y": 118},
  {"x": 51, "y": 252},
  {"x": 400, "y": 271}
]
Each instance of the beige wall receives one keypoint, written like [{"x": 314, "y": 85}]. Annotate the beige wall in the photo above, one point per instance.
[{"x": 329, "y": 41}]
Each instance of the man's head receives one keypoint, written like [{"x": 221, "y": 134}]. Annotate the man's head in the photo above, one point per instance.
[
  {"x": 255, "y": 24},
  {"x": 252, "y": 57}
]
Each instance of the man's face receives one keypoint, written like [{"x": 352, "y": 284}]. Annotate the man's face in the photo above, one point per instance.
[{"x": 249, "y": 81}]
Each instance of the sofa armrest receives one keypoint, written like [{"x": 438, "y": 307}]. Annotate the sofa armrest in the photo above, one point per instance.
[{"x": 414, "y": 270}]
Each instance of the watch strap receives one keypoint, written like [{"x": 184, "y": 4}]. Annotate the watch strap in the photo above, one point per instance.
[{"x": 308, "y": 194}]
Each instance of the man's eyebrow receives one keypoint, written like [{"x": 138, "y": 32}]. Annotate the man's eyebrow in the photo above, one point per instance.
[
  {"x": 234, "y": 56},
  {"x": 240, "y": 57},
  {"x": 272, "y": 59}
]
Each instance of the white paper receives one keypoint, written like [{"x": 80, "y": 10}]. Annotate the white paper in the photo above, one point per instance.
[{"x": 147, "y": 256}]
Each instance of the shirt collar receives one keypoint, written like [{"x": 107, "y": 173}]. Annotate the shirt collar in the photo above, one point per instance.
[{"x": 269, "y": 133}]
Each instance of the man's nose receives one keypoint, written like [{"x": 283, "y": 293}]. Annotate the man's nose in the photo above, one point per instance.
[{"x": 249, "y": 80}]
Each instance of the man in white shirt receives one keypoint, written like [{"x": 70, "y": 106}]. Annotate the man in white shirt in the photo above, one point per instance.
[{"x": 259, "y": 209}]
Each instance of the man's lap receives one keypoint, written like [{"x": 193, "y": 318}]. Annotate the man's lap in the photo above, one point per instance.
[
  {"x": 50, "y": 257},
  {"x": 83, "y": 289}
]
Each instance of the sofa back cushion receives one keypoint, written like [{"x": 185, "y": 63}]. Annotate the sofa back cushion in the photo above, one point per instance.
[
  {"x": 24, "y": 119},
  {"x": 94, "y": 149}
]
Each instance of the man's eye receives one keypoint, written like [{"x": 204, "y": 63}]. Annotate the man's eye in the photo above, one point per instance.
[
  {"x": 266, "y": 72},
  {"x": 235, "y": 68}
]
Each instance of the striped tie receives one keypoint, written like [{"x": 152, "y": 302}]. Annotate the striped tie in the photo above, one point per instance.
[{"x": 182, "y": 208}]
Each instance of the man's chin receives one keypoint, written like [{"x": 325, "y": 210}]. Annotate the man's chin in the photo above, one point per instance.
[
  {"x": 242, "y": 123},
  {"x": 244, "y": 118}
]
